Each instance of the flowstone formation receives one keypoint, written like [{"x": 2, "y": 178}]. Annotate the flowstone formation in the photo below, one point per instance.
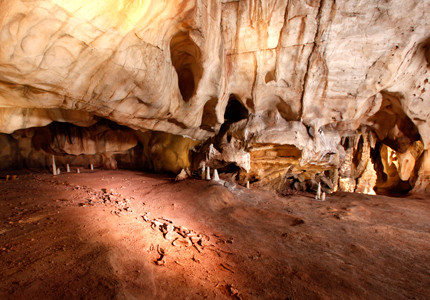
[{"x": 284, "y": 94}]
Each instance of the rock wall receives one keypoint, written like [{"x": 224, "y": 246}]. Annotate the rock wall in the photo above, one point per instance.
[
  {"x": 104, "y": 144},
  {"x": 295, "y": 86}
]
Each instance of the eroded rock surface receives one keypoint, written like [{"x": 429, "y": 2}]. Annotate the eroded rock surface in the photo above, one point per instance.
[{"x": 309, "y": 91}]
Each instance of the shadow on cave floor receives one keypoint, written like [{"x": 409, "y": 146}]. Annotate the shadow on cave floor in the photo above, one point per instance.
[{"x": 84, "y": 236}]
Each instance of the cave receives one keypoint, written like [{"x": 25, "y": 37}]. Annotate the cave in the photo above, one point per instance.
[{"x": 214, "y": 149}]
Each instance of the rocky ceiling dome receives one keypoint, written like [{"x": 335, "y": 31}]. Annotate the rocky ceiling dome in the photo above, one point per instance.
[{"x": 286, "y": 93}]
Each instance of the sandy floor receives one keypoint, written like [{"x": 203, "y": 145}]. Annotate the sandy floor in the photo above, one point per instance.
[{"x": 146, "y": 237}]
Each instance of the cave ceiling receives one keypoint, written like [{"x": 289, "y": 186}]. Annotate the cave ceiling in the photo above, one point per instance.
[{"x": 327, "y": 82}]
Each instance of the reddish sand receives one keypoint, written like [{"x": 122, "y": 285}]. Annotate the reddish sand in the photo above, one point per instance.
[{"x": 64, "y": 238}]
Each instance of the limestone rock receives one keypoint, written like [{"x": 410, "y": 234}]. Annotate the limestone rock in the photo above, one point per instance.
[
  {"x": 347, "y": 185},
  {"x": 182, "y": 175},
  {"x": 367, "y": 181},
  {"x": 423, "y": 182},
  {"x": 298, "y": 75}
]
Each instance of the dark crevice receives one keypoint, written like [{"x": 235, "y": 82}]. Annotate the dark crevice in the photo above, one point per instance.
[
  {"x": 177, "y": 123},
  {"x": 358, "y": 151},
  {"x": 310, "y": 57},
  {"x": 235, "y": 111}
]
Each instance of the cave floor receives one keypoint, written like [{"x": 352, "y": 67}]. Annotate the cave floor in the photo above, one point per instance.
[{"x": 64, "y": 238}]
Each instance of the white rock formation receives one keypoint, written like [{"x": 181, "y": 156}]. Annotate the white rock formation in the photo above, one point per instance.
[
  {"x": 54, "y": 167},
  {"x": 208, "y": 173},
  {"x": 308, "y": 73},
  {"x": 215, "y": 176}
]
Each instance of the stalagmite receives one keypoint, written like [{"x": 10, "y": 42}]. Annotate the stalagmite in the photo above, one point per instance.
[
  {"x": 318, "y": 195},
  {"x": 78, "y": 171},
  {"x": 54, "y": 167},
  {"x": 203, "y": 171},
  {"x": 182, "y": 175},
  {"x": 247, "y": 184},
  {"x": 208, "y": 173},
  {"x": 92, "y": 167},
  {"x": 216, "y": 177},
  {"x": 58, "y": 171},
  {"x": 323, "y": 196},
  {"x": 68, "y": 168}
]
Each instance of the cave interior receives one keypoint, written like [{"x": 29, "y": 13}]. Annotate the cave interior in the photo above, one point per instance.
[{"x": 214, "y": 150}]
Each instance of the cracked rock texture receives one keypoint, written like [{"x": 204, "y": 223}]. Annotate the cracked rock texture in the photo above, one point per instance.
[{"x": 307, "y": 90}]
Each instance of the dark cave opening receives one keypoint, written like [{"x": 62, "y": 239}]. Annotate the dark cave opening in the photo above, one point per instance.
[
  {"x": 357, "y": 153},
  {"x": 396, "y": 136},
  {"x": 54, "y": 137},
  {"x": 186, "y": 59},
  {"x": 235, "y": 110},
  {"x": 105, "y": 145},
  {"x": 388, "y": 181},
  {"x": 231, "y": 168}
]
